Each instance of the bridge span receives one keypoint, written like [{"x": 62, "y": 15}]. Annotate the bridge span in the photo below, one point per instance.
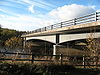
[{"x": 72, "y": 30}]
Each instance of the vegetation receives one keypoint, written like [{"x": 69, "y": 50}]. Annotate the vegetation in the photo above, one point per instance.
[
  {"x": 31, "y": 69},
  {"x": 93, "y": 47},
  {"x": 8, "y": 36},
  {"x": 13, "y": 43},
  {"x": 93, "y": 44}
]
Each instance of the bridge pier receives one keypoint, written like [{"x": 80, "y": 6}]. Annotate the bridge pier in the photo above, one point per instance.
[
  {"x": 56, "y": 45},
  {"x": 24, "y": 43},
  {"x": 54, "y": 49}
]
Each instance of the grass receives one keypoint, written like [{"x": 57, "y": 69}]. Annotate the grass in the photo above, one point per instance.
[{"x": 54, "y": 69}]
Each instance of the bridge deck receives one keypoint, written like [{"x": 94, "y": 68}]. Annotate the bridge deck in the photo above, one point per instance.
[{"x": 68, "y": 29}]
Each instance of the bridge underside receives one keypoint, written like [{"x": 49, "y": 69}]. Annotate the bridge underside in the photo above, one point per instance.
[
  {"x": 41, "y": 46},
  {"x": 61, "y": 38},
  {"x": 75, "y": 47}
]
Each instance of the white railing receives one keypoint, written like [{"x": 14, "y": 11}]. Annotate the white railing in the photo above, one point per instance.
[{"x": 80, "y": 20}]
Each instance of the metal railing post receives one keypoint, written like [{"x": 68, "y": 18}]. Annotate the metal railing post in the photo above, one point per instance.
[
  {"x": 32, "y": 58},
  {"x": 74, "y": 21},
  {"x": 84, "y": 61},
  {"x": 61, "y": 25},
  {"x": 39, "y": 30},
  {"x": 61, "y": 55},
  {"x": 51, "y": 27},
  {"x": 95, "y": 16},
  {"x": 45, "y": 28}
]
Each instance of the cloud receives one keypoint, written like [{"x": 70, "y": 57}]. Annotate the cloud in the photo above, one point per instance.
[
  {"x": 1, "y": 10},
  {"x": 23, "y": 22},
  {"x": 31, "y": 8},
  {"x": 2, "y": 16},
  {"x": 67, "y": 12},
  {"x": 30, "y": 22},
  {"x": 7, "y": 12},
  {"x": 98, "y": 10},
  {"x": 39, "y": 3}
]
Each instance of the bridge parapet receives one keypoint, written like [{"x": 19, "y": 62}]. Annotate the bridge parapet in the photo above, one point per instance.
[
  {"x": 82, "y": 21},
  {"x": 67, "y": 30},
  {"x": 76, "y": 21}
]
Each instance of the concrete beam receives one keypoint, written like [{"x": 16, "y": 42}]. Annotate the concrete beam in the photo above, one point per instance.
[
  {"x": 51, "y": 38},
  {"x": 71, "y": 37},
  {"x": 57, "y": 39}
]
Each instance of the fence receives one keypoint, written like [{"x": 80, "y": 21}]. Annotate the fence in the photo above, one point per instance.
[
  {"x": 47, "y": 59},
  {"x": 80, "y": 20}
]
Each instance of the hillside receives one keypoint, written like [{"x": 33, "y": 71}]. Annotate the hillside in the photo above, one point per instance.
[{"x": 6, "y": 34}]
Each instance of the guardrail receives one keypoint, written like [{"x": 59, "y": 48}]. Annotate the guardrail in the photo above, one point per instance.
[
  {"x": 80, "y": 20},
  {"x": 47, "y": 59}
]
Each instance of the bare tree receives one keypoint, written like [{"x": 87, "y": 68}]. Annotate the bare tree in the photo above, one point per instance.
[{"x": 93, "y": 47}]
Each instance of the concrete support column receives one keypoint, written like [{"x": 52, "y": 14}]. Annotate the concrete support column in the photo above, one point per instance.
[
  {"x": 24, "y": 43},
  {"x": 54, "y": 49},
  {"x": 55, "y": 46}
]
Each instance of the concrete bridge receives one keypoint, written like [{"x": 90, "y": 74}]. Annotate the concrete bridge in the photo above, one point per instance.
[{"x": 76, "y": 29}]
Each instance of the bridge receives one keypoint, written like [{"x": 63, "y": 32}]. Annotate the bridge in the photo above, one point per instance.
[{"x": 67, "y": 33}]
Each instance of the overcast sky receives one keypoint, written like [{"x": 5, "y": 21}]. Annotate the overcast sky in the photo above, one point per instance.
[{"x": 27, "y": 15}]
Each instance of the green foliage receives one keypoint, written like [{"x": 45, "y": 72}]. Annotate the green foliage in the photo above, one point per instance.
[
  {"x": 31, "y": 69},
  {"x": 28, "y": 47},
  {"x": 93, "y": 44},
  {"x": 6, "y": 34},
  {"x": 14, "y": 42}
]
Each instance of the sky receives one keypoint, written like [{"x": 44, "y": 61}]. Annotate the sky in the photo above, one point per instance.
[{"x": 28, "y": 15}]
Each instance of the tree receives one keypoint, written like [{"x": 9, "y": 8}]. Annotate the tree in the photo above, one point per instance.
[
  {"x": 0, "y": 35},
  {"x": 14, "y": 43},
  {"x": 28, "y": 47},
  {"x": 93, "y": 46},
  {"x": 0, "y": 26},
  {"x": 6, "y": 34}
]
